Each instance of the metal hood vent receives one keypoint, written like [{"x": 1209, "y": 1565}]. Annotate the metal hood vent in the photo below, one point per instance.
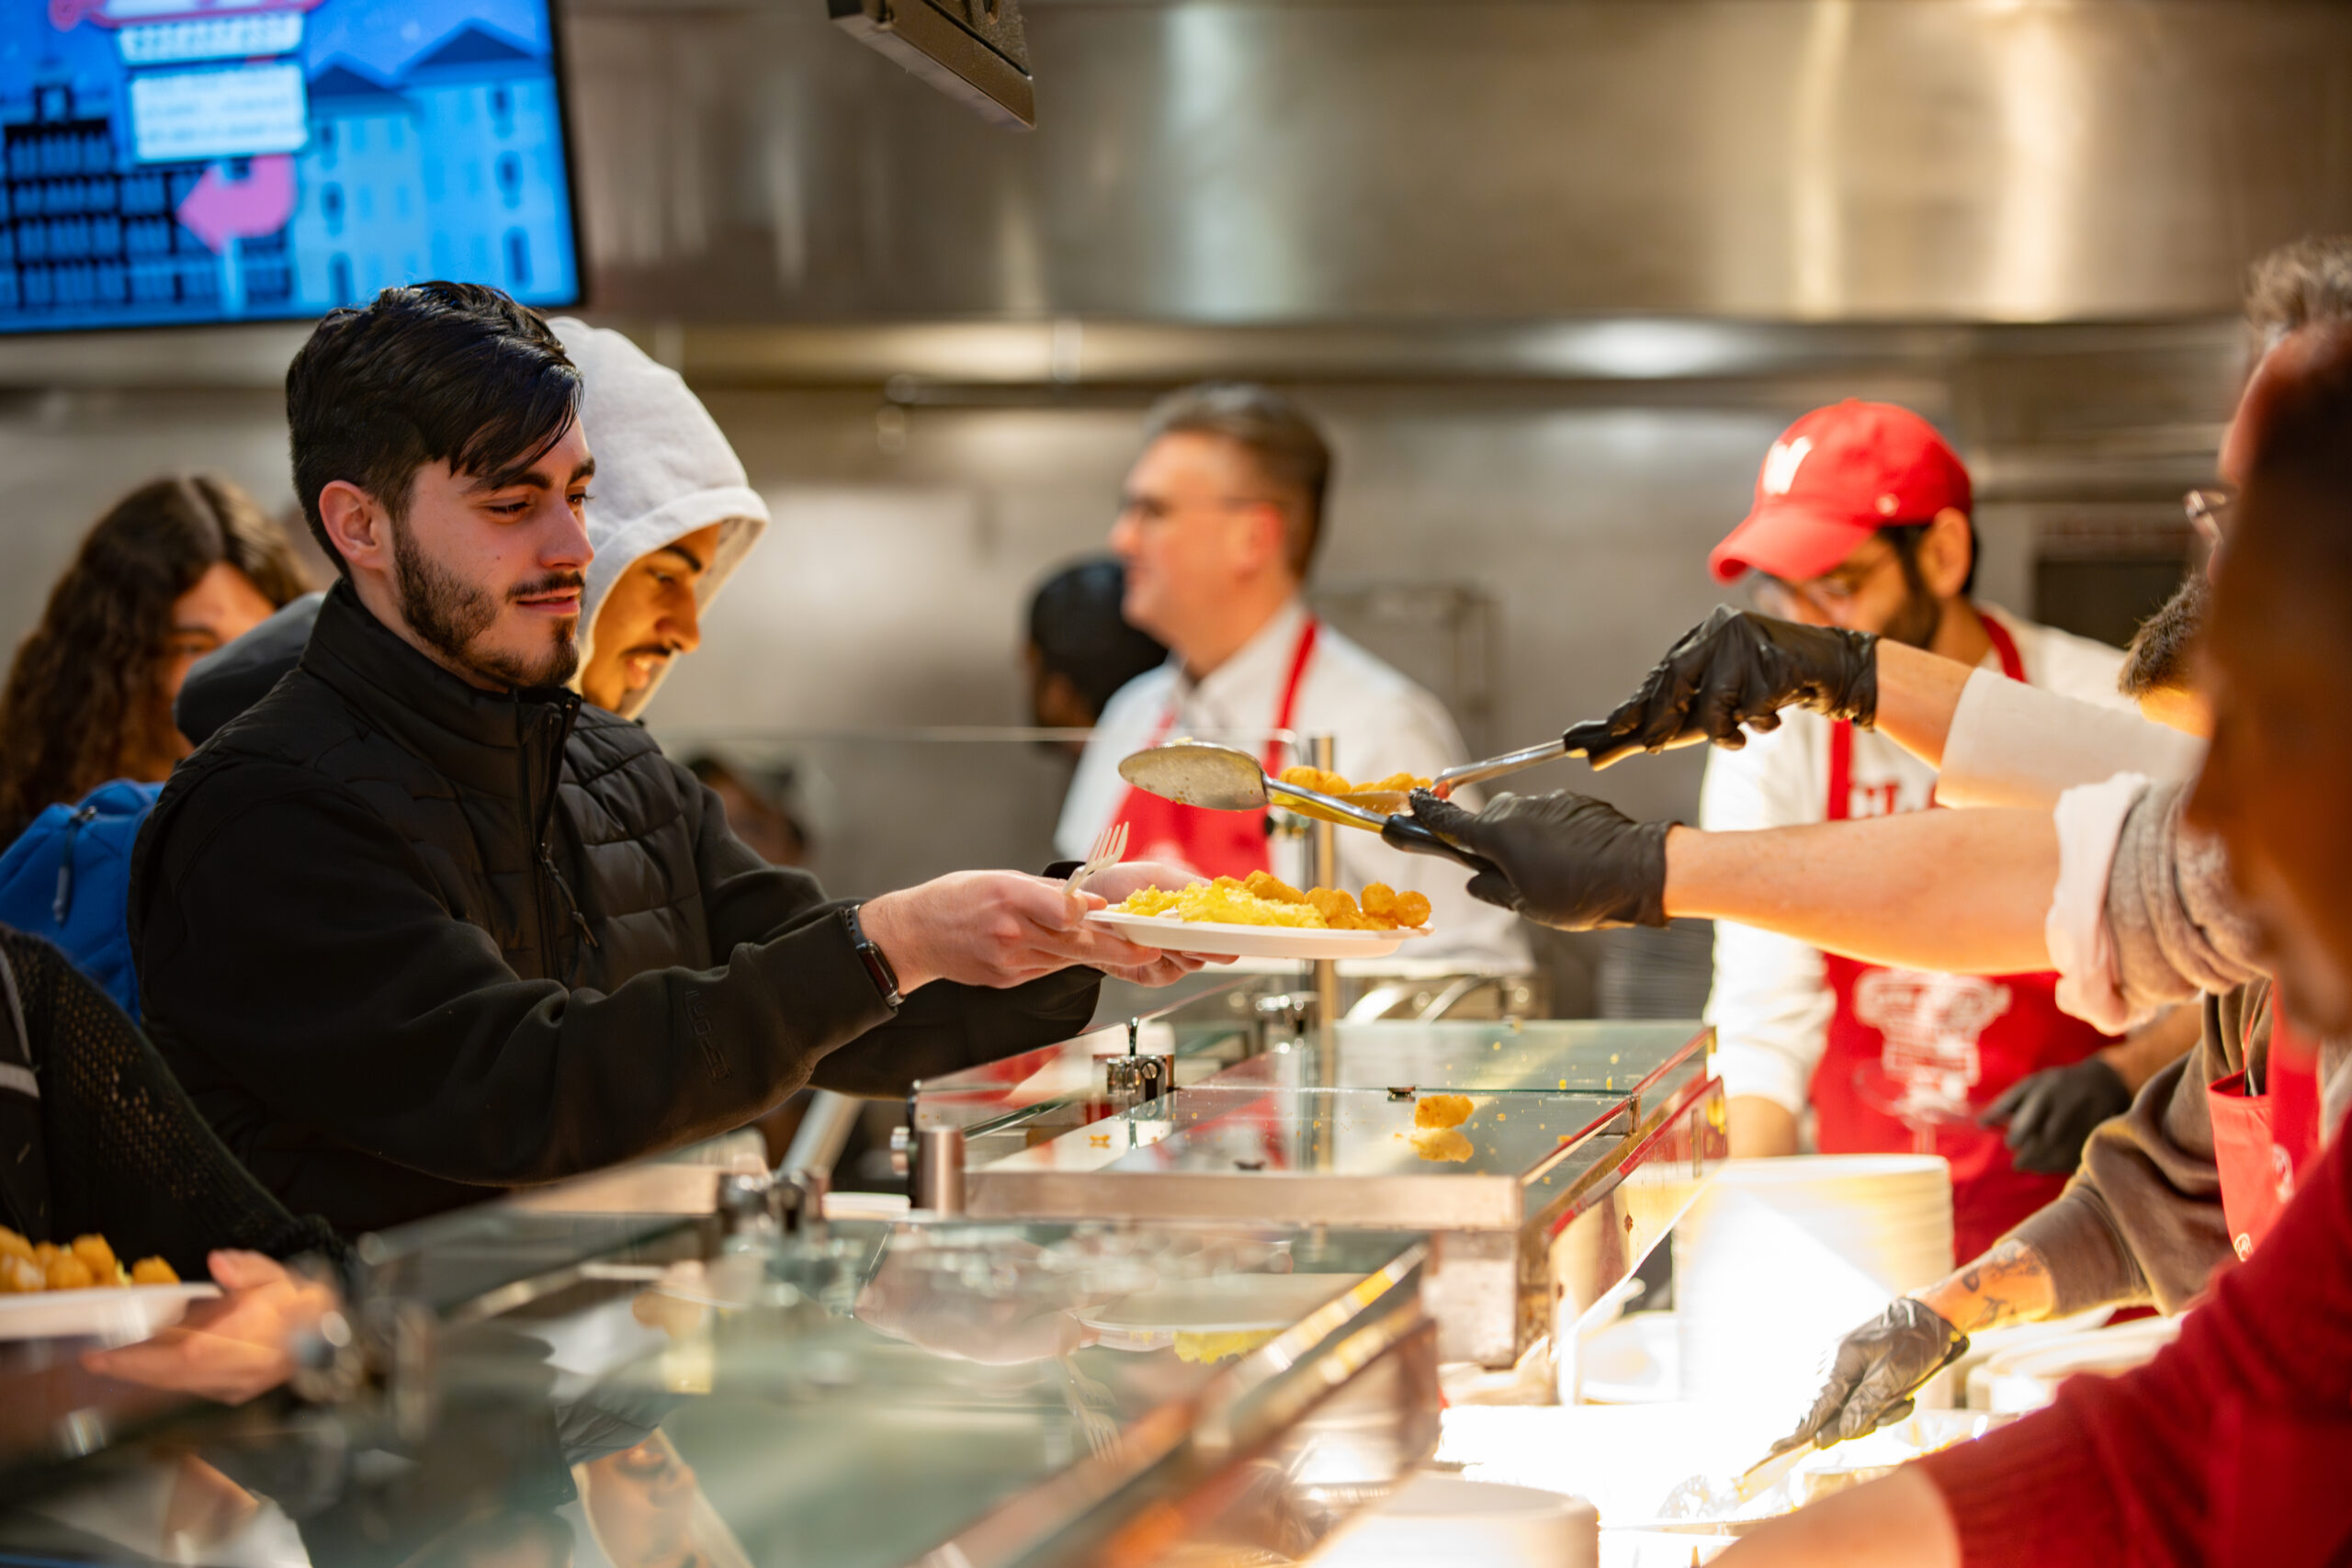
[
  {"x": 1349, "y": 161},
  {"x": 973, "y": 51}
]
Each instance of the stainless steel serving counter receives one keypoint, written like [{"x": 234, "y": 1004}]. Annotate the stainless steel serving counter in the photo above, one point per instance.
[
  {"x": 683, "y": 1353},
  {"x": 1584, "y": 1143}
]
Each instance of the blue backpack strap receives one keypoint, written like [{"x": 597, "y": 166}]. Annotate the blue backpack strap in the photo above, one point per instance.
[
  {"x": 67, "y": 880},
  {"x": 61, "y": 907}
]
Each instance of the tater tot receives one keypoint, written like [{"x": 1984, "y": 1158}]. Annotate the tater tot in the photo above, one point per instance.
[
  {"x": 93, "y": 1251},
  {"x": 1265, "y": 899},
  {"x": 1307, "y": 777},
  {"x": 1273, "y": 889},
  {"x": 1339, "y": 910},
  {"x": 19, "y": 1274},
  {"x": 14, "y": 1246},
  {"x": 1442, "y": 1109},
  {"x": 153, "y": 1271},
  {"x": 67, "y": 1272}
]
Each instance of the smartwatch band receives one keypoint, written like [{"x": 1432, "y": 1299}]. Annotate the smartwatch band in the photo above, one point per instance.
[{"x": 876, "y": 961}]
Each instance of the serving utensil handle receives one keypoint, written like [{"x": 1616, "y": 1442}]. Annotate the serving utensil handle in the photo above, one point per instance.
[
  {"x": 1495, "y": 767},
  {"x": 1404, "y": 832}
]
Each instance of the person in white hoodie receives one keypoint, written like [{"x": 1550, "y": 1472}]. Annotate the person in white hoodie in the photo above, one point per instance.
[{"x": 670, "y": 512}]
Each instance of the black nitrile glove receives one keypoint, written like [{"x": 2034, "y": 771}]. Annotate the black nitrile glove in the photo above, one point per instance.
[
  {"x": 2050, "y": 1113},
  {"x": 1564, "y": 860},
  {"x": 1736, "y": 669},
  {"x": 1877, "y": 1369}
]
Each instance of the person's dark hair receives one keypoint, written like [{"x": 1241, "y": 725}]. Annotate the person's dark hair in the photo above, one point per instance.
[
  {"x": 2157, "y": 658},
  {"x": 451, "y": 373},
  {"x": 1287, "y": 447},
  {"x": 2303, "y": 281},
  {"x": 85, "y": 700},
  {"x": 1906, "y": 538},
  {"x": 2287, "y": 531},
  {"x": 1079, "y": 635}
]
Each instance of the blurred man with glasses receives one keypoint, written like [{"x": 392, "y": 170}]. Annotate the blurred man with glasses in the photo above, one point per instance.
[
  {"x": 1862, "y": 520},
  {"x": 1219, "y": 524}
]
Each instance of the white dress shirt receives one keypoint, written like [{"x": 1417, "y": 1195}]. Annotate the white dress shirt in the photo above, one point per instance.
[
  {"x": 1771, "y": 1002},
  {"x": 1381, "y": 724}
]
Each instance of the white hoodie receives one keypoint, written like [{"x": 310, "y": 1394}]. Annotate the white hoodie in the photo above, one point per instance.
[{"x": 664, "y": 471}]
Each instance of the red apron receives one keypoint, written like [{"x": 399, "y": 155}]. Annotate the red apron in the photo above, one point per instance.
[
  {"x": 1220, "y": 843},
  {"x": 2262, "y": 1143},
  {"x": 1911, "y": 1057}
]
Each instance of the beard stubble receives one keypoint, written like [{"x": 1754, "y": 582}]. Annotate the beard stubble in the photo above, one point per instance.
[{"x": 451, "y": 615}]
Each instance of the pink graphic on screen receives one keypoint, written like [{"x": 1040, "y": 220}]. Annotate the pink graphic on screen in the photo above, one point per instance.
[{"x": 220, "y": 209}]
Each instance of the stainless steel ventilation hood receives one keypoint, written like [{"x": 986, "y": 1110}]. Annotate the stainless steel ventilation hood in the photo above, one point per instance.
[{"x": 1244, "y": 162}]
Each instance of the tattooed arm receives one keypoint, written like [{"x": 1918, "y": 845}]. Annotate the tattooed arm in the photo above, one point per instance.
[
  {"x": 2008, "y": 1284},
  {"x": 1878, "y": 1367}
]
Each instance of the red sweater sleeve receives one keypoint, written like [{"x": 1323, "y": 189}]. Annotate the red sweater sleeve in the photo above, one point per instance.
[{"x": 2134, "y": 1468}]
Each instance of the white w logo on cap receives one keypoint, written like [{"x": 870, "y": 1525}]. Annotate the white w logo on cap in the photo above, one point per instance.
[{"x": 1780, "y": 464}]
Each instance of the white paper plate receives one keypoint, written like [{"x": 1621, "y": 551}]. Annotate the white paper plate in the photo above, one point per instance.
[
  {"x": 1172, "y": 935},
  {"x": 119, "y": 1316}
]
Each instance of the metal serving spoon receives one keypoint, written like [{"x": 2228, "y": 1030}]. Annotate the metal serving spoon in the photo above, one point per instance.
[{"x": 1220, "y": 778}]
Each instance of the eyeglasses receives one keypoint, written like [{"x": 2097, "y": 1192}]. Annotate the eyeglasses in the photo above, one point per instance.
[
  {"x": 1826, "y": 596},
  {"x": 2209, "y": 511},
  {"x": 1152, "y": 508}
]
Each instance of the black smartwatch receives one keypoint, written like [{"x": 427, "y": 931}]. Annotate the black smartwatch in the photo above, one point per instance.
[{"x": 876, "y": 961}]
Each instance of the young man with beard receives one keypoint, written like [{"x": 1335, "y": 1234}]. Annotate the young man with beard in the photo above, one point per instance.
[
  {"x": 419, "y": 927},
  {"x": 1860, "y": 523}
]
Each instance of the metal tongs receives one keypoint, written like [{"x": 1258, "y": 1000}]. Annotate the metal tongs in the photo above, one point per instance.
[
  {"x": 1446, "y": 783},
  {"x": 1221, "y": 778},
  {"x": 1713, "y": 1500}
]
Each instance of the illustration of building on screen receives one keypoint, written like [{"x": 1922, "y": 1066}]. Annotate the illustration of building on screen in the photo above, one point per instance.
[{"x": 207, "y": 160}]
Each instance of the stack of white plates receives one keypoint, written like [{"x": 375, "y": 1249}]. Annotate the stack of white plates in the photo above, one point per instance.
[
  {"x": 1779, "y": 1257},
  {"x": 2027, "y": 1377}
]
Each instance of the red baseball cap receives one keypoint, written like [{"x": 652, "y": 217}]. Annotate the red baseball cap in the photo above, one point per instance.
[{"x": 1833, "y": 479}]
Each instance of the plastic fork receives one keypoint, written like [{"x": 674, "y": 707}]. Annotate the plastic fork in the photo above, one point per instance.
[{"x": 1109, "y": 849}]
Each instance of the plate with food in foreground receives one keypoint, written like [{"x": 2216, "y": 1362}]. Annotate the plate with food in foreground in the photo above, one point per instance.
[
  {"x": 49, "y": 1291},
  {"x": 1264, "y": 916}
]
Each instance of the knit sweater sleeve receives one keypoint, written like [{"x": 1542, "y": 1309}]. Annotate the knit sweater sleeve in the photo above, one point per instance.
[
  {"x": 2126, "y": 1469},
  {"x": 2142, "y": 1219},
  {"x": 2172, "y": 918}
]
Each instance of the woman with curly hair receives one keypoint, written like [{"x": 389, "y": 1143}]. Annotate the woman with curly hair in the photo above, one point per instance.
[{"x": 178, "y": 568}]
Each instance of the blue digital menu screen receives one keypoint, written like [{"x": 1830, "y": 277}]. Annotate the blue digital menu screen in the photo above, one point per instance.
[{"x": 190, "y": 161}]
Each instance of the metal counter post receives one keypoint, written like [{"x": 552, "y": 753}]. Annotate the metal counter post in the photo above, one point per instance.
[{"x": 1324, "y": 872}]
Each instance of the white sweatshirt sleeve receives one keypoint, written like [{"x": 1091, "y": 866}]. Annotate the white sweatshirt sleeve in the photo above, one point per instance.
[
  {"x": 2012, "y": 744},
  {"x": 2082, "y": 947},
  {"x": 1770, "y": 1004}
]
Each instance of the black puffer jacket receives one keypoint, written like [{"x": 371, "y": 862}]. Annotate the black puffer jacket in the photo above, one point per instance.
[{"x": 405, "y": 940}]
